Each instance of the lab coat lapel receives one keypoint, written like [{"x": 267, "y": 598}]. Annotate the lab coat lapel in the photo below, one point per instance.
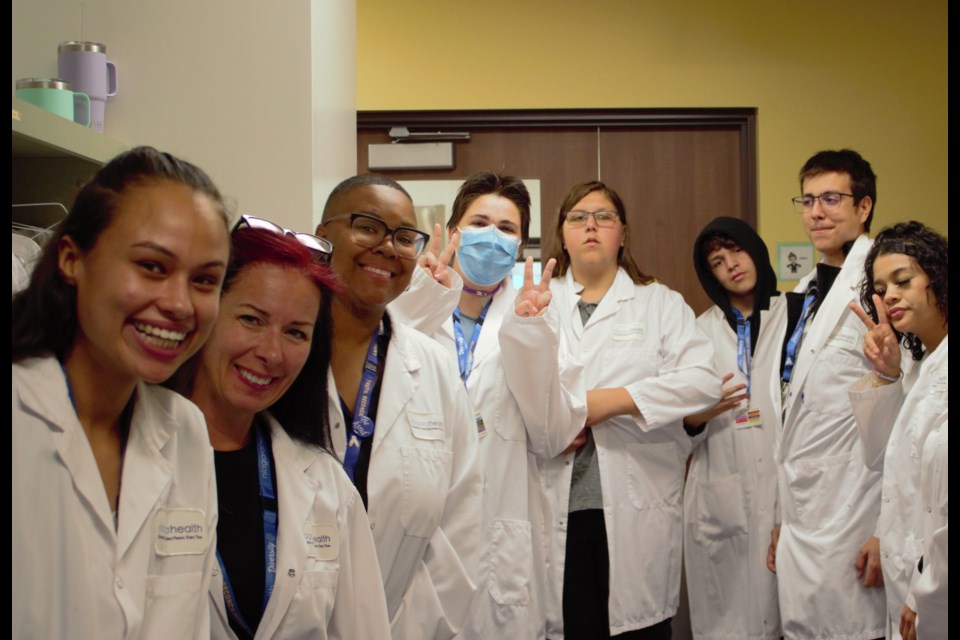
[
  {"x": 501, "y": 303},
  {"x": 151, "y": 432},
  {"x": 397, "y": 387},
  {"x": 621, "y": 290},
  {"x": 45, "y": 395},
  {"x": 566, "y": 302},
  {"x": 295, "y": 492},
  {"x": 842, "y": 293}
]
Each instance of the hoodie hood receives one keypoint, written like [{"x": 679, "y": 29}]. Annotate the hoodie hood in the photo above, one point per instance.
[{"x": 744, "y": 235}]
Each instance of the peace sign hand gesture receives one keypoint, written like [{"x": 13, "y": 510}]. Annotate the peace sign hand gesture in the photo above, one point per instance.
[
  {"x": 438, "y": 265},
  {"x": 880, "y": 345},
  {"x": 533, "y": 300}
]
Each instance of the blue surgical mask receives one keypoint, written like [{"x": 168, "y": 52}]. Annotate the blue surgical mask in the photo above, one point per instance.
[{"x": 486, "y": 254}]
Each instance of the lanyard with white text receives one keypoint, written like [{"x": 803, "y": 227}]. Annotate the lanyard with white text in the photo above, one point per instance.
[
  {"x": 744, "y": 355},
  {"x": 268, "y": 500},
  {"x": 464, "y": 349},
  {"x": 362, "y": 426}
]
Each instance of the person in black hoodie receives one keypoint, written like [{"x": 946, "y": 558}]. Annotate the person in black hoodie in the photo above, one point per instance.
[{"x": 731, "y": 489}]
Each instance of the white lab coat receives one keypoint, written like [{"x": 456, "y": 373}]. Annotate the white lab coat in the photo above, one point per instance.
[
  {"x": 643, "y": 338},
  {"x": 508, "y": 603},
  {"x": 894, "y": 423},
  {"x": 829, "y": 499},
  {"x": 74, "y": 574},
  {"x": 931, "y": 596},
  {"x": 423, "y": 488},
  {"x": 329, "y": 587},
  {"x": 730, "y": 496}
]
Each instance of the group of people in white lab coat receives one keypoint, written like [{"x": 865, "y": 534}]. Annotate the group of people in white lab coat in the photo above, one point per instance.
[{"x": 393, "y": 441}]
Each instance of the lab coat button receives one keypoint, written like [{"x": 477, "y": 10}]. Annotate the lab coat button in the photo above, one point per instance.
[
  {"x": 336, "y": 425},
  {"x": 118, "y": 582},
  {"x": 292, "y": 573}
]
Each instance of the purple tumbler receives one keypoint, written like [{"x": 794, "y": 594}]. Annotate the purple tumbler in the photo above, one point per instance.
[{"x": 85, "y": 66}]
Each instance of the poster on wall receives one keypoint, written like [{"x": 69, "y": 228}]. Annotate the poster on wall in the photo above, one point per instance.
[{"x": 794, "y": 260}]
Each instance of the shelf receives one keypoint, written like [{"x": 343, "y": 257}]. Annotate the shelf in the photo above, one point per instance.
[
  {"x": 37, "y": 133},
  {"x": 52, "y": 158}
]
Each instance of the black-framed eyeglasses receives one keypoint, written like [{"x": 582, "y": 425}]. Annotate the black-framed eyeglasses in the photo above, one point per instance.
[
  {"x": 829, "y": 201},
  {"x": 603, "y": 218},
  {"x": 321, "y": 247},
  {"x": 368, "y": 231}
]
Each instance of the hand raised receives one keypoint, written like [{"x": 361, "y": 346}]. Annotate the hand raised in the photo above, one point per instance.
[
  {"x": 532, "y": 299},
  {"x": 880, "y": 345},
  {"x": 438, "y": 265}
]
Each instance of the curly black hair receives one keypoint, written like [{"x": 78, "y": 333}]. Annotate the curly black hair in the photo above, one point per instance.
[{"x": 929, "y": 249}]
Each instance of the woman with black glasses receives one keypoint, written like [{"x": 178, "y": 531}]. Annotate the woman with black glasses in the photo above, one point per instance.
[
  {"x": 295, "y": 555},
  {"x": 402, "y": 419}
]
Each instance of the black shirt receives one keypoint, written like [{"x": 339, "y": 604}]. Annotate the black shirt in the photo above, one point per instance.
[
  {"x": 362, "y": 468},
  {"x": 240, "y": 528}
]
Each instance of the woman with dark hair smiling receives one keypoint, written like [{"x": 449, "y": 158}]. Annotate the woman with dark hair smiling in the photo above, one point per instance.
[
  {"x": 902, "y": 414},
  {"x": 295, "y": 554},
  {"x": 107, "y": 467},
  {"x": 402, "y": 419}
]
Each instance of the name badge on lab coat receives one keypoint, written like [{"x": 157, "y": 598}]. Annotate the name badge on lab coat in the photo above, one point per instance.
[
  {"x": 748, "y": 418},
  {"x": 426, "y": 426},
  {"x": 323, "y": 541},
  {"x": 181, "y": 532},
  {"x": 630, "y": 331}
]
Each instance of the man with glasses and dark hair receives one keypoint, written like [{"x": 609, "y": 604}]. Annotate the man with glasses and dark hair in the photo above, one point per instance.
[{"x": 824, "y": 552}]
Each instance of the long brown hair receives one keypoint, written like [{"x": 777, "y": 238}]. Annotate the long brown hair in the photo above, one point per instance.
[{"x": 624, "y": 259}]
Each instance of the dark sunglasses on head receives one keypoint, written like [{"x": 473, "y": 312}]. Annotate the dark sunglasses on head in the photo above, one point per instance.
[{"x": 321, "y": 247}]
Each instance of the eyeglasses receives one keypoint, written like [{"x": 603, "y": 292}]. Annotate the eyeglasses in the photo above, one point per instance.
[
  {"x": 603, "y": 218},
  {"x": 321, "y": 247},
  {"x": 369, "y": 231},
  {"x": 829, "y": 201}
]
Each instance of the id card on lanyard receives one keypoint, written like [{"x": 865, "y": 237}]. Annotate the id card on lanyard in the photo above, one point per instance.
[
  {"x": 749, "y": 416},
  {"x": 268, "y": 500},
  {"x": 362, "y": 426}
]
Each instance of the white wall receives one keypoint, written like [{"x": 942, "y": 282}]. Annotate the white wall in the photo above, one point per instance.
[{"x": 260, "y": 95}]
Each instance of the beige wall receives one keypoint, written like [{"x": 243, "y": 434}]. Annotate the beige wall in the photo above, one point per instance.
[
  {"x": 823, "y": 74},
  {"x": 263, "y": 99}
]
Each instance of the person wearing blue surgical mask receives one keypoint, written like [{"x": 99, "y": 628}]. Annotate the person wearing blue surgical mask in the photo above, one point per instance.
[{"x": 465, "y": 300}]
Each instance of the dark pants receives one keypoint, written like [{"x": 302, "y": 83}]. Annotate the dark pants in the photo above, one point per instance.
[{"x": 586, "y": 583}]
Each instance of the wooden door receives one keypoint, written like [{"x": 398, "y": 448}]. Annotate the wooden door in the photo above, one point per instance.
[{"x": 675, "y": 169}]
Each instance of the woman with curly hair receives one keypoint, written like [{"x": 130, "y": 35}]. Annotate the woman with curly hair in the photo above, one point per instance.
[{"x": 902, "y": 415}]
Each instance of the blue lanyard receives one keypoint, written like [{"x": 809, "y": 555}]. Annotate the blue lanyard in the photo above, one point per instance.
[
  {"x": 465, "y": 349},
  {"x": 794, "y": 342},
  {"x": 744, "y": 355},
  {"x": 267, "y": 498},
  {"x": 363, "y": 426}
]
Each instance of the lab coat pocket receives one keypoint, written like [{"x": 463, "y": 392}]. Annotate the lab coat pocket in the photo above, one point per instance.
[
  {"x": 836, "y": 367},
  {"x": 312, "y": 604},
  {"x": 173, "y": 604},
  {"x": 822, "y": 488},
  {"x": 720, "y": 512},
  {"x": 655, "y": 475},
  {"x": 511, "y": 563},
  {"x": 322, "y": 579},
  {"x": 624, "y": 362},
  {"x": 426, "y": 482}
]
